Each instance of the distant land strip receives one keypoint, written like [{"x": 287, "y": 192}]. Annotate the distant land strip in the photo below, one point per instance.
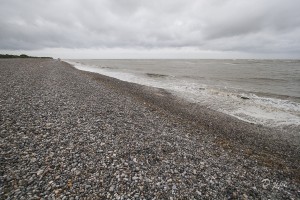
[{"x": 20, "y": 56}]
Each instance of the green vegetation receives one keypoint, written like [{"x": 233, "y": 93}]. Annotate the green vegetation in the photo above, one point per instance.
[{"x": 20, "y": 56}]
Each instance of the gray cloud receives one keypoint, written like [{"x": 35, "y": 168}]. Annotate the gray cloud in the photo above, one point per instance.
[{"x": 256, "y": 26}]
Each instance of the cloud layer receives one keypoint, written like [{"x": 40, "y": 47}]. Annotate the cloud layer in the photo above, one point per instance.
[{"x": 256, "y": 26}]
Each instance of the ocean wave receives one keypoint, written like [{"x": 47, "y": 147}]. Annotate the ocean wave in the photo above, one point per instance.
[
  {"x": 153, "y": 75},
  {"x": 267, "y": 79}
]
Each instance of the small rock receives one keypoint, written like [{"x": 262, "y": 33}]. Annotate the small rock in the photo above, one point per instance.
[
  {"x": 112, "y": 188},
  {"x": 39, "y": 172},
  {"x": 77, "y": 172},
  {"x": 87, "y": 187}
]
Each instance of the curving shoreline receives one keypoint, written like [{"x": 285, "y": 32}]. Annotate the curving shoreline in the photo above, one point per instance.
[
  {"x": 216, "y": 123},
  {"x": 72, "y": 134}
]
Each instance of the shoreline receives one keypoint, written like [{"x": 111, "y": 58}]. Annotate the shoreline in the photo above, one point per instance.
[
  {"x": 228, "y": 128},
  {"x": 270, "y": 110},
  {"x": 68, "y": 133}
]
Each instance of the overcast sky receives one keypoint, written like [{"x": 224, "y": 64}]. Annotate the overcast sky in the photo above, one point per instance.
[{"x": 151, "y": 28}]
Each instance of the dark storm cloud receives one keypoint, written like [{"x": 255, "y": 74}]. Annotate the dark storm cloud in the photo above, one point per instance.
[{"x": 221, "y": 25}]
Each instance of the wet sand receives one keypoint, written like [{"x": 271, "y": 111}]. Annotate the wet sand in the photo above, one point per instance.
[{"x": 72, "y": 134}]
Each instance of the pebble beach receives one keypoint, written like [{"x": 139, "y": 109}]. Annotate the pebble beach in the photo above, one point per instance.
[{"x": 70, "y": 134}]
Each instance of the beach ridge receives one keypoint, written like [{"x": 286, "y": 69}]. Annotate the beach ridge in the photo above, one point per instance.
[{"x": 72, "y": 134}]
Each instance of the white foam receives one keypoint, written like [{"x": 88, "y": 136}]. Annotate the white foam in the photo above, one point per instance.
[
  {"x": 119, "y": 75},
  {"x": 259, "y": 110}
]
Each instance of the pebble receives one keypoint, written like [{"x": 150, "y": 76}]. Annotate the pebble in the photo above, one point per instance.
[
  {"x": 39, "y": 172},
  {"x": 112, "y": 188}
]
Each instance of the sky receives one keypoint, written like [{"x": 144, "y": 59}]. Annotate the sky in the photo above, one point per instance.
[{"x": 151, "y": 29}]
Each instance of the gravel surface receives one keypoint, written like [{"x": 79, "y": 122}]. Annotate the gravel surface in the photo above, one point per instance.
[{"x": 67, "y": 135}]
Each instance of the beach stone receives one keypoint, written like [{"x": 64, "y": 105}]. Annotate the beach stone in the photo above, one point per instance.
[
  {"x": 39, "y": 172},
  {"x": 112, "y": 188}
]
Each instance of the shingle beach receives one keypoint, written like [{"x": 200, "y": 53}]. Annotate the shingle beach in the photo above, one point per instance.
[{"x": 69, "y": 134}]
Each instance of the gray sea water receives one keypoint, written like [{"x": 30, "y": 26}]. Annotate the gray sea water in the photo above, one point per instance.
[{"x": 264, "y": 92}]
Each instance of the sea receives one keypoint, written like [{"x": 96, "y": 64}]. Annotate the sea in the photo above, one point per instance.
[{"x": 265, "y": 92}]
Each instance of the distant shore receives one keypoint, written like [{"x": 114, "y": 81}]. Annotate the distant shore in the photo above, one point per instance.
[
  {"x": 5, "y": 56},
  {"x": 74, "y": 134}
]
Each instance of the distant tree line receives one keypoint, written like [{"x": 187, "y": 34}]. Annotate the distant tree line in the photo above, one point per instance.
[{"x": 20, "y": 56}]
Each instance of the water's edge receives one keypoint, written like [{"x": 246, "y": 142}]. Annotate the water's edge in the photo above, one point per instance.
[
  {"x": 264, "y": 144},
  {"x": 277, "y": 113}
]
